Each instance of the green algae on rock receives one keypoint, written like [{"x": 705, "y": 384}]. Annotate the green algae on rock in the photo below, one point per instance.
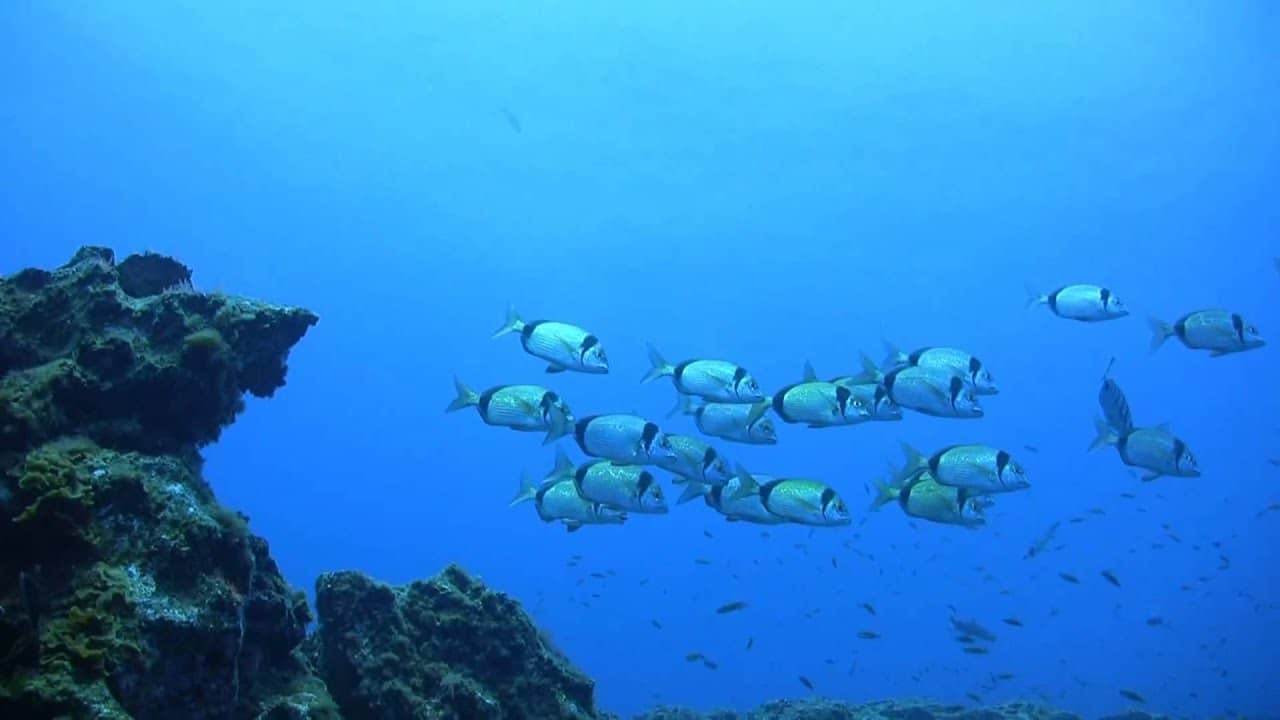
[
  {"x": 154, "y": 600},
  {"x": 447, "y": 647}
]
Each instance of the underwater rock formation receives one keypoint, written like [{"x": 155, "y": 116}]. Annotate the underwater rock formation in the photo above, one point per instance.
[
  {"x": 443, "y": 648},
  {"x": 126, "y": 590}
]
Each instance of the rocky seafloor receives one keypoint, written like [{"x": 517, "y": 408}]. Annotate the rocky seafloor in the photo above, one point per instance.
[{"x": 128, "y": 591}]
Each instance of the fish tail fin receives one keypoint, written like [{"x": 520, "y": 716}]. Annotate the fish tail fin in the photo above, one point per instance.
[
  {"x": 559, "y": 425},
  {"x": 758, "y": 410},
  {"x": 466, "y": 397},
  {"x": 747, "y": 484},
  {"x": 563, "y": 467},
  {"x": 1160, "y": 331},
  {"x": 893, "y": 356},
  {"x": 886, "y": 493},
  {"x": 528, "y": 491},
  {"x": 1106, "y": 435},
  {"x": 914, "y": 458},
  {"x": 685, "y": 405},
  {"x": 692, "y": 491},
  {"x": 659, "y": 365},
  {"x": 1034, "y": 297},
  {"x": 870, "y": 371},
  {"x": 512, "y": 324}
]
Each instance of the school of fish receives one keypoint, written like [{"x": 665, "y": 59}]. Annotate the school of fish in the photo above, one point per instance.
[{"x": 952, "y": 485}]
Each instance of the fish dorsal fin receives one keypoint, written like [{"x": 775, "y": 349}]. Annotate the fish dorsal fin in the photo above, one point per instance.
[{"x": 809, "y": 374}]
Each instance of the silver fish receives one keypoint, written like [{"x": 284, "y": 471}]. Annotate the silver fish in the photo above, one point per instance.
[
  {"x": 696, "y": 460},
  {"x": 819, "y": 404},
  {"x": 713, "y": 380},
  {"x": 980, "y": 469},
  {"x": 932, "y": 391},
  {"x": 957, "y": 361},
  {"x": 527, "y": 408},
  {"x": 1221, "y": 332},
  {"x": 623, "y": 487},
  {"x": 623, "y": 438},
  {"x": 925, "y": 498},
  {"x": 798, "y": 500},
  {"x": 559, "y": 501},
  {"x": 564, "y": 346},
  {"x": 730, "y": 421},
  {"x": 1154, "y": 449},
  {"x": 870, "y": 394},
  {"x": 733, "y": 502},
  {"x": 1086, "y": 303}
]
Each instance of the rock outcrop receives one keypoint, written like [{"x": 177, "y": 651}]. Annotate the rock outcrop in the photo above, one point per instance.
[
  {"x": 443, "y": 648},
  {"x": 126, "y": 590}
]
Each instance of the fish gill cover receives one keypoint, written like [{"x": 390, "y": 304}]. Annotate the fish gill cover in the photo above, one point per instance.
[{"x": 868, "y": 260}]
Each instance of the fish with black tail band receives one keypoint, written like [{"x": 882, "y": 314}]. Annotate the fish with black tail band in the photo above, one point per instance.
[
  {"x": 623, "y": 487},
  {"x": 735, "y": 422},
  {"x": 980, "y": 469},
  {"x": 798, "y": 500},
  {"x": 1086, "y": 303},
  {"x": 557, "y": 500},
  {"x": 564, "y": 346},
  {"x": 527, "y": 408},
  {"x": 1221, "y": 332},
  {"x": 696, "y": 460},
  {"x": 933, "y": 391},
  {"x": 1154, "y": 449},
  {"x": 945, "y": 358},
  {"x": 711, "y": 380},
  {"x": 819, "y": 404},
  {"x": 732, "y": 502},
  {"x": 622, "y": 438},
  {"x": 925, "y": 498}
]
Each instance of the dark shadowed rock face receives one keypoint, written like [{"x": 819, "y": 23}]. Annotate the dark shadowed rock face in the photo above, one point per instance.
[
  {"x": 131, "y": 356},
  {"x": 126, "y": 590},
  {"x": 443, "y": 648}
]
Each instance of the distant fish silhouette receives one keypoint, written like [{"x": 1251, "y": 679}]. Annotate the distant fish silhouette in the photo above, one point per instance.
[{"x": 512, "y": 121}]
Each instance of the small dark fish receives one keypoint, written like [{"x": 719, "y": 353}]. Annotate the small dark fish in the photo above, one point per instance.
[
  {"x": 1012, "y": 621},
  {"x": 1077, "y": 520},
  {"x": 1005, "y": 676},
  {"x": 599, "y": 575},
  {"x": 750, "y": 643},
  {"x": 1155, "y": 621},
  {"x": 1097, "y": 511},
  {"x": 512, "y": 121},
  {"x": 1273, "y": 506},
  {"x": 868, "y": 608},
  {"x": 656, "y": 624},
  {"x": 974, "y": 697},
  {"x": 834, "y": 564},
  {"x": 694, "y": 656},
  {"x": 1131, "y": 695},
  {"x": 709, "y": 664},
  {"x": 1069, "y": 578},
  {"x": 707, "y": 533},
  {"x": 1031, "y": 448},
  {"x": 964, "y": 639},
  {"x": 1275, "y": 461},
  {"x": 869, "y": 635},
  {"x": 976, "y": 650},
  {"x": 806, "y": 682},
  {"x": 702, "y": 561},
  {"x": 1111, "y": 577},
  {"x": 729, "y": 607},
  {"x": 1128, "y": 495}
]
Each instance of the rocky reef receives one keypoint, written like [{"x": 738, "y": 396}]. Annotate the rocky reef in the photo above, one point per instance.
[{"x": 447, "y": 647}]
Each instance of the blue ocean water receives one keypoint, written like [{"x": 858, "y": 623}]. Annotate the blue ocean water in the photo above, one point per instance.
[{"x": 768, "y": 183}]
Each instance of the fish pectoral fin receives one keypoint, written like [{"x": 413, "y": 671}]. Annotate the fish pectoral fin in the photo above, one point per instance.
[
  {"x": 553, "y": 369},
  {"x": 1218, "y": 353},
  {"x": 572, "y": 525},
  {"x": 1150, "y": 476}
]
